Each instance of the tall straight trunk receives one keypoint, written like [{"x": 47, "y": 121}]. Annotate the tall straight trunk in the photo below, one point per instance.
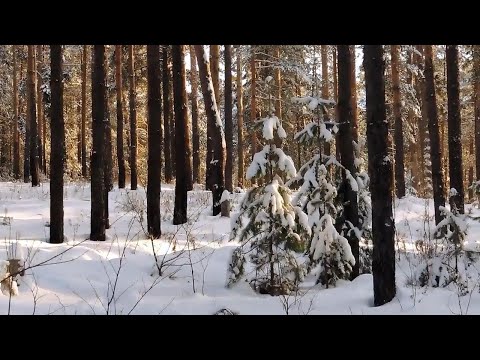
[
  {"x": 215, "y": 71},
  {"x": 240, "y": 176},
  {"x": 278, "y": 83},
  {"x": 84, "y": 110},
  {"x": 325, "y": 90},
  {"x": 154, "y": 140},
  {"x": 381, "y": 177},
  {"x": 253, "y": 103},
  {"x": 423, "y": 119},
  {"x": 182, "y": 135},
  {"x": 454, "y": 129},
  {"x": 26, "y": 144},
  {"x": 41, "y": 136},
  {"x": 32, "y": 111},
  {"x": 167, "y": 144},
  {"x": 215, "y": 124},
  {"x": 119, "y": 90},
  {"x": 228, "y": 119},
  {"x": 97, "y": 221},
  {"x": 108, "y": 171},
  {"x": 335, "y": 97},
  {"x": 16, "y": 143},
  {"x": 133, "y": 120},
  {"x": 476, "y": 78},
  {"x": 470, "y": 170},
  {"x": 397, "y": 115},
  {"x": 346, "y": 138},
  {"x": 353, "y": 90},
  {"x": 413, "y": 143},
  {"x": 57, "y": 145},
  {"x": 195, "y": 133},
  {"x": 435, "y": 154},
  {"x": 172, "y": 121}
]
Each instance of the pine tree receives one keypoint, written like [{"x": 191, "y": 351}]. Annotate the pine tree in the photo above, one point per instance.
[
  {"x": 228, "y": 119},
  {"x": 154, "y": 138},
  {"x": 57, "y": 149},
  {"x": 119, "y": 90},
  {"x": 275, "y": 230},
  {"x": 133, "y": 119}
]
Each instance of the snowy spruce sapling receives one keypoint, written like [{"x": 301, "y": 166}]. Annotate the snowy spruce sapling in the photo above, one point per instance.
[
  {"x": 329, "y": 253},
  {"x": 272, "y": 232}
]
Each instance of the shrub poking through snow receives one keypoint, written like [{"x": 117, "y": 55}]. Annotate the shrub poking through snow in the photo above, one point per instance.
[
  {"x": 445, "y": 266},
  {"x": 271, "y": 231}
]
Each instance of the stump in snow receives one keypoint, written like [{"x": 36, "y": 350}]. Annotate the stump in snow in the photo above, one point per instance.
[{"x": 225, "y": 204}]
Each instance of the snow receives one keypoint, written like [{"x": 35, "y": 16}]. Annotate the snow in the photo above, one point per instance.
[
  {"x": 270, "y": 124},
  {"x": 225, "y": 196},
  {"x": 77, "y": 276}
]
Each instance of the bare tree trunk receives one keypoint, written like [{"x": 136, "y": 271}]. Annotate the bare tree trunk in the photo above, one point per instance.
[
  {"x": 16, "y": 143},
  {"x": 454, "y": 129},
  {"x": 476, "y": 77},
  {"x": 346, "y": 138},
  {"x": 353, "y": 91},
  {"x": 97, "y": 221},
  {"x": 381, "y": 177},
  {"x": 32, "y": 110},
  {"x": 228, "y": 119},
  {"x": 253, "y": 104},
  {"x": 397, "y": 114},
  {"x": 133, "y": 120},
  {"x": 240, "y": 176},
  {"x": 436, "y": 156},
  {"x": 215, "y": 124},
  {"x": 215, "y": 71},
  {"x": 154, "y": 140},
  {"x": 325, "y": 92},
  {"x": 182, "y": 145},
  {"x": 39, "y": 65},
  {"x": 84, "y": 110},
  {"x": 167, "y": 143},
  {"x": 57, "y": 145},
  {"x": 335, "y": 97},
  {"x": 119, "y": 90},
  {"x": 195, "y": 133},
  {"x": 108, "y": 171}
]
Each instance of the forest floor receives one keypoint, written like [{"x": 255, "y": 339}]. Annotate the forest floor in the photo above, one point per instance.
[{"x": 119, "y": 276}]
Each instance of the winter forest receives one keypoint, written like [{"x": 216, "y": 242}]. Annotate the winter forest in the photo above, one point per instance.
[{"x": 239, "y": 179}]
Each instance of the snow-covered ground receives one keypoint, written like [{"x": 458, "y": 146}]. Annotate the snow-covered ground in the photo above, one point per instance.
[{"x": 119, "y": 276}]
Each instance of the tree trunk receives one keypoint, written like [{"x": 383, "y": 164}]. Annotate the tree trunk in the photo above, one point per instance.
[
  {"x": 435, "y": 154},
  {"x": 84, "y": 110},
  {"x": 353, "y": 90},
  {"x": 119, "y": 88},
  {"x": 154, "y": 140},
  {"x": 133, "y": 120},
  {"x": 182, "y": 137},
  {"x": 97, "y": 220},
  {"x": 397, "y": 115},
  {"x": 325, "y": 92},
  {"x": 228, "y": 119},
  {"x": 240, "y": 176},
  {"x": 57, "y": 145},
  {"x": 476, "y": 78},
  {"x": 26, "y": 144},
  {"x": 195, "y": 133},
  {"x": 215, "y": 124},
  {"x": 278, "y": 83},
  {"x": 167, "y": 143},
  {"x": 454, "y": 129},
  {"x": 108, "y": 173},
  {"x": 381, "y": 177},
  {"x": 253, "y": 104},
  {"x": 215, "y": 71},
  {"x": 345, "y": 137},
  {"x": 16, "y": 143},
  {"x": 41, "y": 136},
  {"x": 422, "y": 120},
  {"x": 32, "y": 111},
  {"x": 413, "y": 143},
  {"x": 470, "y": 170},
  {"x": 335, "y": 97}
]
